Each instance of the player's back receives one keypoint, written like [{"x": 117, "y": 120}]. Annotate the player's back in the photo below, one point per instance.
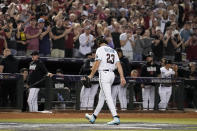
[{"x": 108, "y": 58}]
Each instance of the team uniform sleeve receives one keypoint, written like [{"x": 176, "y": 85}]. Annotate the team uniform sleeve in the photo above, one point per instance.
[
  {"x": 98, "y": 55},
  {"x": 116, "y": 57}
]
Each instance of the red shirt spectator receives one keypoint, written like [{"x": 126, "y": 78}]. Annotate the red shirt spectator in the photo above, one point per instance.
[{"x": 2, "y": 42}]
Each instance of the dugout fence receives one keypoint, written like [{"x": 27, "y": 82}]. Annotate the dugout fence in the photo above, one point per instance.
[{"x": 49, "y": 98}]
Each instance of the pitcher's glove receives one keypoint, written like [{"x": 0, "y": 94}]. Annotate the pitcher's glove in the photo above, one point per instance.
[{"x": 86, "y": 82}]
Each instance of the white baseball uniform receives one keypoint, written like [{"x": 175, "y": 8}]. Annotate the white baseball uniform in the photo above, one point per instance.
[
  {"x": 87, "y": 96},
  {"x": 118, "y": 90},
  {"x": 108, "y": 58},
  {"x": 165, "y": 91}
]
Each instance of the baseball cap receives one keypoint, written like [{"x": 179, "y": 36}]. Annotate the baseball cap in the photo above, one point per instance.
[
  {"x": 34, "y": 53},
  {"x": 41, "y": 20}
]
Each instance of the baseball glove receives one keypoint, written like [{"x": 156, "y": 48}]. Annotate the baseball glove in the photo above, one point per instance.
[{"x": 86, "y": 81}]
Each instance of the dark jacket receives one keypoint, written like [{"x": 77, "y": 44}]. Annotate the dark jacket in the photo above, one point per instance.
[
  {"x": 37, "y": 71},
  {"x": 10, "y": 64}
]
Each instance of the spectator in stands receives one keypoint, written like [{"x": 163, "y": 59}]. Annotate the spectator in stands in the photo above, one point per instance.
[
  {"x": 9, "y": 64},
  {"x": 58, "y": 34},
  {"x": 21, "y": 39},
  {"x": 32, "y": 35},
  {"x": 147, "y": 42},
  {"x": 77, "y": 32},
  {"x": 108, "y": 37},
  {"x": 11, "y": 32},
  {"x": 24, "y": 73},
  {"x": 191, "y": 47},
  {"x": 116, "y": 35},
  {"x": 169, "y": 45},
  {"x": 44, "y": 41},
  {"x": 86, "y": 41},
  {"x": 3, "y": 42},
  {"x": 157, "y": 46},
  {"x": 69, "y": 41},
  {"x": 126, "y": 42},
  {"x": 186, "y": 32},
  {"x": 138, "y": 45}
]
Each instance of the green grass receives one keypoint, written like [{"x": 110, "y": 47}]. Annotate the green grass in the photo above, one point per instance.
[{"x": 123, "y": 120}]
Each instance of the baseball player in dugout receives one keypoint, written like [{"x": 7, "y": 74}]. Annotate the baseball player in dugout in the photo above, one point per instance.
[
  {"x": 37, "y": 74},
  {"x": 117, "y": 89},
  {"x": 87, "y": 95},
  {"x": 106, "y": 61},
  {"x": 165, "y": 90},
  {"x": 148, "y": 90}
]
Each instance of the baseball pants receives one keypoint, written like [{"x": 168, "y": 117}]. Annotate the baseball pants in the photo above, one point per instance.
[
  {"x": 121, "y": 92},
  {"x": 33, "y": 99},
  {"x": 148, "y": 96},
  {"x": 87, "y": 96},
  {"x": 164, "y": 93},
  {"x": 106, "y": 79}
]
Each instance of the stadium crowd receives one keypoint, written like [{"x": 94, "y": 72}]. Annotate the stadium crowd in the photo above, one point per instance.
[{"x": 69, "y": 28}]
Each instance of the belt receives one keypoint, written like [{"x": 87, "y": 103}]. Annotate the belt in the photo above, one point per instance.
[{"x": 107, "y": 70}]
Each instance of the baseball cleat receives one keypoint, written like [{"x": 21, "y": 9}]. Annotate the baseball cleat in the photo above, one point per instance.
[
  {"x": 115, "y": 121},
  {"x": 90, "y": 118}
]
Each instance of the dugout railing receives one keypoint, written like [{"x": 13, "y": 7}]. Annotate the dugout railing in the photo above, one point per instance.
[
  {"x": 49, "y": 91},
  {"x": 177, "y": 97}
]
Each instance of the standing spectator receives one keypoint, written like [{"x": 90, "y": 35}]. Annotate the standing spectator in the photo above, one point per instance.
[
  {"x": 169, "y": 45},
  {"x": 108, "y": 37},
  {"x": 86, "y": 41},
  {"x": 138, "y": 45},
  {"x": 11, "y": 37},
  {"x": 3, "y": 42},
  {"x": 32, "y": 34},
  {"x": 186, "y": 32},
  {"x": 191, "y": 47},
  {"x": 157, "y": 46},
  {"x": 21, "y": 39},
  {"x": 77, "y": 32},
  {"x": 116, "y": 35},
  {"x": 44, "y": 42},
  {"x": 69, "y": 41},
  {"x": 126, "y": 42},
  {"x": 9, "y": 64},
  {"x": 147, "y": 43},
  {"x": 58, "y": 38},
  {"x": 37, "y": 72}
]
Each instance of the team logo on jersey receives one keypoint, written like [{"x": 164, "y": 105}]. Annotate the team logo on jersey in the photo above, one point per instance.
[{"x": 32, "y": 67}]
